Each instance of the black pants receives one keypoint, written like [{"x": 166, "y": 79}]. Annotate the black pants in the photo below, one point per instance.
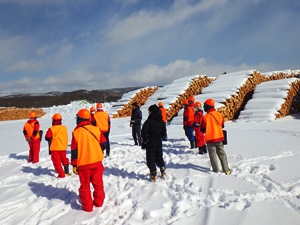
[
  {"x": 106, "y": 135},
  {"x": 136, "y": 134},
  {"x": 154, "y": 156}
]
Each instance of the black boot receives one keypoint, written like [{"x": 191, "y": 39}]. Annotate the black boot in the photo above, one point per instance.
[
  {"x": 66, "y": 169},
  {"x": 200, "y": 150},
  {"x": 192, "y": 144},
  {"x": 204, "y": 149},
  {"x": 195, "y": 144}
]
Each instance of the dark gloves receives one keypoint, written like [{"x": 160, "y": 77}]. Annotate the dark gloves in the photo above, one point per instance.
[{"x": 144, "y": 144}]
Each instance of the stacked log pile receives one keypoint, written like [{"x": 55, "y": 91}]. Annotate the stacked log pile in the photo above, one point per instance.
[
  {"x": 195, "y": 87},
  {"x": 235, "y": 104},
  {"x": 18, "y": 114},
  {"x": 140, "y": 97},
  {"x": 292, "y": 101}
]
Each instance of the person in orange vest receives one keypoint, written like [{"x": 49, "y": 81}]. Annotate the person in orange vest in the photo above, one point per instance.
[
  {"x": 212, "y": 125},
  {"x": 103, "y": 122},
  {"x": 185, "y": 113},
  {"x": 57, "y": 137},
  {"x": 86, "y": 158},
  {"x": 164, "y": 118},
  {"x": 189, "y": 121},
  {"x": 32, "y": 134},
  {"x": 92, "y": 111},
  {"x": 200, "y": 143}
]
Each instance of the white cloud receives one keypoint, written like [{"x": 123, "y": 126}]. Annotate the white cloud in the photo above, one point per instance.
[{"x": 144, "y": 22}]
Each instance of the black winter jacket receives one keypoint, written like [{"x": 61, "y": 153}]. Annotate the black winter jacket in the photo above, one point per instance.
[
  {"x": 136, "y": 115},
  {"x": 153, "y": 130}
]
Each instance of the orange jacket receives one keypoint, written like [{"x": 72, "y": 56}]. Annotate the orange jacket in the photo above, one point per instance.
[
  {"x": 85, "y": 147},
  {"x": 213, "y": 123},
  {"x": 31, "y": 129},
  {"x": 102, "y": 120},
  {"x": 57, "y": 136},
  {"x": 163, "y": 113}
]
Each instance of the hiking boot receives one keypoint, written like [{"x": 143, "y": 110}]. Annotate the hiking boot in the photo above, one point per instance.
[
  {"x": 153, "y": 178},
  {"x": 66, "y": 170},
  {"x": 200, "y": 150},
  {"x": 228, "y": 173}
]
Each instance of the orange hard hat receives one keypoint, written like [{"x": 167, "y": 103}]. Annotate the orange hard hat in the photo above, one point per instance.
[
  {"x": 56, "y": 116},
  {"x": 84, "y": 114},
  {"x": 198, "y": 104},
  {"x": 32, "y": 115},
  {"x": 160, "y": 104},
  {"x": 209, "y": 102},
  {"x": 99, "y": 105},
  {"x": 184, "y": 102},
  {"x": 191, "y": 98},
  {"x": 92, "y": 109}
]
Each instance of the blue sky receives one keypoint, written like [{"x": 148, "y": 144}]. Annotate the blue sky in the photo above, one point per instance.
[{"x": 65, "y": 45}]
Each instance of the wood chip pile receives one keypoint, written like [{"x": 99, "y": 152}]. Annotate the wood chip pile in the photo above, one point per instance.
[
  {"x": 140, "y": 97},
  {"x": 13, "y": 113}
]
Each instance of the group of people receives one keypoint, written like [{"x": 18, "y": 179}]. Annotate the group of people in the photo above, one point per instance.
[
  {"x": 205, "y": 131},
  {"x": 87, "y": 150},
  {"x": 91, "y": 137}
]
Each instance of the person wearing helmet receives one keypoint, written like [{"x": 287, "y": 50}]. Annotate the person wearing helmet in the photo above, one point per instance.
[
  {"x": 86, "y": 158},
  {"x": 189, "y": 121},
  {"x": 164, "y": 117},
  {"x": 212, "y": 125},
  {"x": 135, "y": 123},
  {"x": 32, "y": 134},
  {"x": 92, "y": 111},
  {"x": 57, "y": 137},
  {"x": 103, "y": 122},
  {"x": 200, "y": 143},
  {"x": 153, "y": 131},
  {"x": 185, "y": 115}
]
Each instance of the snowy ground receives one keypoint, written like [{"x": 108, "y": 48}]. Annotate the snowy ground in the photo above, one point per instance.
[{"x": 264, "y": 187}]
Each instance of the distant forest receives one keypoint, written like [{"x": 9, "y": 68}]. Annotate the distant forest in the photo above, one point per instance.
[{"x": 62, "y": 98}]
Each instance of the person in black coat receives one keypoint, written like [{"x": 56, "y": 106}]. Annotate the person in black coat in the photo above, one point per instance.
[
  {"x": 135, "y": 123},
  {"x": 153, "y": 131}
]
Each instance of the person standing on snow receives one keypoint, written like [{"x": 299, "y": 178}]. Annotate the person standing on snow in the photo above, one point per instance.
[
  {"x": 57, "y": 137},
  {"x": 153, "y": 131},
  {"x": 31, "y": 131},
  {"x": 212, "y": 125},
  {"x": 103, "y": 122},
  {"x": 135, "y": 123},
  {"x": 185, "y": 115},
  {"x": 189, "y": 120},
  {"x": 86, "y": 159},
  {"x": 164, "y": 117},
  {"x": 200, "y": 143}
]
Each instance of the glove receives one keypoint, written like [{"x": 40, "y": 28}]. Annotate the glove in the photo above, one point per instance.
[
  {"x": 75, "y": 169},
  {"x": 28, "y": 139}
]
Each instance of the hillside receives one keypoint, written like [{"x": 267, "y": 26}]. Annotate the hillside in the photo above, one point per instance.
[{"x": 62, "y": 98}]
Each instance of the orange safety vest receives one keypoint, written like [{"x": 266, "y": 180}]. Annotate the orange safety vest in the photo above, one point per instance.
[
  {"x": 29, "y": 127},
  {"x": 213, "y": 128},
  {"x": 102, "y": 120},
  {"x": 59, "y": 141},
  {"x": 88, "y": 145},
  {"x": 163, "y": 114}
]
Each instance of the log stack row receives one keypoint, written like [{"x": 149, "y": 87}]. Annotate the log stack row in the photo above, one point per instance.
[
  {"x": 140, "y": 98},
  {"x": 195, "y": 88},
  {"x": 292, "y": 101},
  {"x": 233, "y": 105},
  {"x": 18, "y": 114}
]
